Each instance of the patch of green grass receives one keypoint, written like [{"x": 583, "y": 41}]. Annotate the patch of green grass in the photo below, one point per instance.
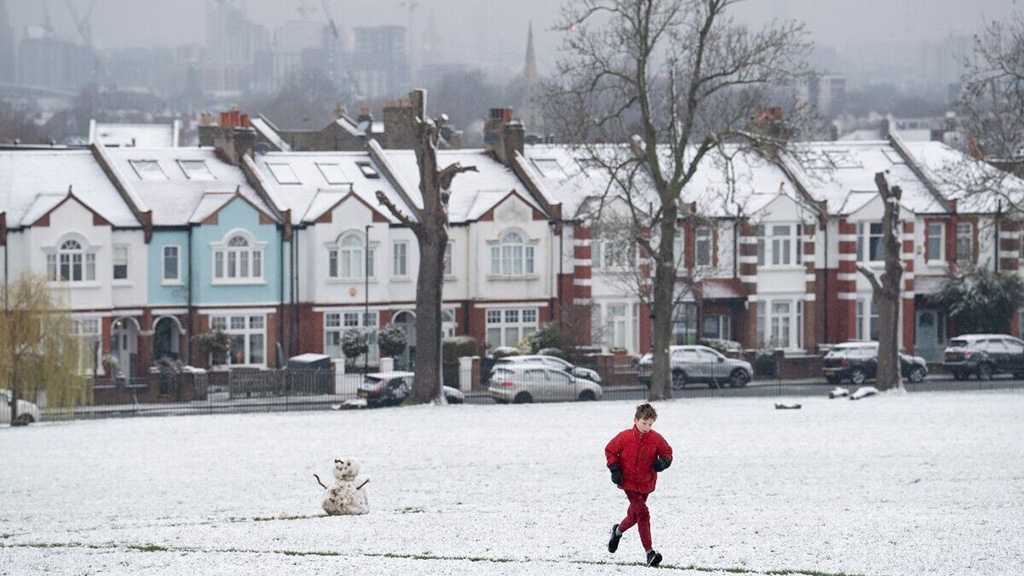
[{"x": 148, "y": 548}]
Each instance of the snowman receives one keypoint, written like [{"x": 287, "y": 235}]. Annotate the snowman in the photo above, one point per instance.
[{"x": 346, "y": 497}]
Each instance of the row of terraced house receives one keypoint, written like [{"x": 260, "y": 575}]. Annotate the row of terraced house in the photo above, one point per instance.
[{"x": 285, "y": 251}]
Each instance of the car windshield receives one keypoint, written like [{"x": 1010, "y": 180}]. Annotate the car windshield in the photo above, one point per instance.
[
  {"x": 374, "y": 380},
  {"x": 958, "y": 343}
]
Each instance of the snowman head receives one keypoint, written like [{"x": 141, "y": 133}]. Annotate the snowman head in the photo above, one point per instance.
[{"x": 345, "y": 469}]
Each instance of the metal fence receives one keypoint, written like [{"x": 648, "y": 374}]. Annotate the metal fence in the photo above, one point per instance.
[{"x": 250, "y": 390}]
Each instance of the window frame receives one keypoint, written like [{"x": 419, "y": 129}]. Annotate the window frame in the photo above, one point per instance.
[
  {"x": 281, "y": 177},
  {"x": 126, "y": 248},
  {"x": 769, "y": 332},
  {"x": 228, "y": 258},
  {"x": 779, "y": 251},
  {"x": 969, "y": 237},
  {"x": 866, "y": 238},
  {"x": 505, "y": 320},
  {"x": 337, "y": 322},
  {"x": 206, "y": 175},
  {"x": 930, "y": 255},
  {"x": 336, "y": 253},
  {"x": 400, "y": 266},
  {"x": 176, "y": 280},
  {"x": 225, "y": 322},
  {"x": 71, "y": 253},
  {"x": 146, "y": 175},
  {"x": 513, "y": 255}
]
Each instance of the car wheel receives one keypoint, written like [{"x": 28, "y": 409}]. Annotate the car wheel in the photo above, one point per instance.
[
  {"x": 587, "y": 395},
  {"x": 984, "y": 371},
  {"x": 523, "y": 398},
  {"x": 917, "y": 375},
  {"x": 23, "y": 419},
  {"x": 678, "y": 379},
  {"x": 858, "y": 377},
  {"x": 958, "y": 375},
  {"x": 739, "y": 379}
]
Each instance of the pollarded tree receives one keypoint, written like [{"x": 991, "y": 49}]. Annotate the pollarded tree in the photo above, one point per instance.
[
  {"x": 429, "y": 224},
  {"x": 38, "y": 350},
  {"x": 682, "y": 77},
  {"x": 887, "y": 290}
]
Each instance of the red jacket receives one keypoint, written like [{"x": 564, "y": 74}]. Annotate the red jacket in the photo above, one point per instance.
[{"x": 635, "y": 453}]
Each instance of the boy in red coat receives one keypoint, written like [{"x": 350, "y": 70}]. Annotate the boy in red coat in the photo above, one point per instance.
[{"x": 635, "y": 457}]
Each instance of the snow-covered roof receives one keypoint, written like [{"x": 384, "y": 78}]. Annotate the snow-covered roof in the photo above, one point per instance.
[
  {"x": 32, "y": 182},
  {"x": 173, "y": 182},
  {"x": 268, "y": 131},
  {"x": 968, "y": 181},
  {"x": 843, "y": 175},
  {"x": 134, "y": 135},
  {"x": 309, "y": 183},
  {"x": 472, "y": 193},
  {"x": 571, "y": 176}
]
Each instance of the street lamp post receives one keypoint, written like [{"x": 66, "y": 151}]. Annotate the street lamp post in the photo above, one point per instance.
[{"x": 366, "y": 294}]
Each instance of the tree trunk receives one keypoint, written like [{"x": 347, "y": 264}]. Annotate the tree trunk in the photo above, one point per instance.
[
  {"x": 887, "y": 292},
  {"x": 432, "y": 240},
  {"x": 661, "y": 310}
]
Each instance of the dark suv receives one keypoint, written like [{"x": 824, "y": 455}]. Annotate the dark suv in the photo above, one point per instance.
[
  {"x": 984, "y": 355},
  {"x": 858, "y": 363}
]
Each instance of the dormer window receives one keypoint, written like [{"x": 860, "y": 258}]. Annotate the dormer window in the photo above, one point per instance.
[
  {"x": 283, "y": 173},
  {"x": 368, "y": 170},
  {"x": 196, "y": 170},
  {"x": 148, "y": 169}
]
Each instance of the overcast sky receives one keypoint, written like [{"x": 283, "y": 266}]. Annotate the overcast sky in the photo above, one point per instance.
[{"x": 493, "y": 29}]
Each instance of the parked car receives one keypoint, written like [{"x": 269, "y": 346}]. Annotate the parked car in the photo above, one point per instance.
[
  {"x": 525, "y": 382},
  {"x": 699, "y": 364},
  {"x": 984, "y": 355},
  {"x": 392, "y": 388},
  {"x": 551, "y": 362},
  {"x": 858, "y": 363},
  {"x": 27, "y": 411}
]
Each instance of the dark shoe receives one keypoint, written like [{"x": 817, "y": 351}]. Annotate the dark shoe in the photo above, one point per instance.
[
  {"x": 653, "y": 559},
  {"x": 613, "y": 542}
]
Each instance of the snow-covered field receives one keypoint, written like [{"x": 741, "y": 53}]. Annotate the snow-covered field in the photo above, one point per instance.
[{"x": 930, "y": 483}]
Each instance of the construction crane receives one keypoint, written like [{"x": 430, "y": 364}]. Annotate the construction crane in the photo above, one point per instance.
[
  {"x": 82, "y": 22},
  {"x": 330, "y": 19}
]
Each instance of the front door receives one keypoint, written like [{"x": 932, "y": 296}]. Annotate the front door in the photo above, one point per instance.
[
  {"x": 124, "y": 341},
  {"x": 929, "y": 336}
]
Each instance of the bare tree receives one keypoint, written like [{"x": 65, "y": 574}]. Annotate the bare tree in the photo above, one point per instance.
[
  {"x": 430, "y": 225},
  {"x": 887, "y": 290},
  {"x": 682, "y": 77}
]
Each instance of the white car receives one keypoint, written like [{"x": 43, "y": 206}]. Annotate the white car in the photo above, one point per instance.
[
  {"x": 525, "y": 382},
  {"x": 551, "y": 362},
  {"x": 700, "y": 364},
  {"x": 27, "y": 411}
]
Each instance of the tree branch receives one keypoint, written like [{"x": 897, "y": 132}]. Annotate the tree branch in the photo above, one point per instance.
[
  {"x": 446, "y": 176},
  {"x": 395, "y": 211}
]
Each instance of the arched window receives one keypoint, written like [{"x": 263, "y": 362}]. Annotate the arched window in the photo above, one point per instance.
[
  {"x": 512, "y": 255},
  {"x": 346, "y": 259},
  {"x": 71, "y": 263},
  {"x": 238, "y": 259}
]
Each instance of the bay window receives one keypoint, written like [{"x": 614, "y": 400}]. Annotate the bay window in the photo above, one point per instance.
[
  {"x": 337, "y": 323},
  {"x": 780, "y": 324},
  {"x": 71, "y": 263},
  {"x": 347, "y": 258},
  {"x": 247, "y": 337},
  {"x": 508, "y": 327}
]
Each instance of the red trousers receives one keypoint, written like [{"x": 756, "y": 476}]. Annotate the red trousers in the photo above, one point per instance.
[{"x": 638, "y": 514}]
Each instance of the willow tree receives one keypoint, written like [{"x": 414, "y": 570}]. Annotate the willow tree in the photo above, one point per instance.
[
  {"x": 429, "y": 224},
  {"x": 668, "y": 81},
  {"x": 38, "y": 351}
]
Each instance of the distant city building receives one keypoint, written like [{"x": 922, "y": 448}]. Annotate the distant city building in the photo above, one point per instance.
[
  {"x": 826, "y": 93},
  {"x": 45, "y": 61},
  {"x": 380, "y": 61},
  {"x": 6, "y": 46}
]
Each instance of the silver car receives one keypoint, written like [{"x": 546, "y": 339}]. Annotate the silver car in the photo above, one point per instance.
[
  {"x": 27, "y": 411},
  {"x": 700, "y": 364},
  {"x": 551, "y": 362},
  {"x": 524, "y": 383}
]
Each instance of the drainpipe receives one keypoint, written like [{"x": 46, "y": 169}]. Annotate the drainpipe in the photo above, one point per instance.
[
  {"x": 295, "y": 289},
  {"x": 825, "y": 251},
  {"x": 280, "y": 298},
  {"x": 999, "y": 217},
  {"x": 190, "y": 323}
]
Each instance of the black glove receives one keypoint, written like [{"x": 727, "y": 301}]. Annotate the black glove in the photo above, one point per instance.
[
  {"x": 662, "y": 464},
  {"x": 616, "y": 474}
]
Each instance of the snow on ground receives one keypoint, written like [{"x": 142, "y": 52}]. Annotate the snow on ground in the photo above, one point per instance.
[{"x": 927, "y": 483}]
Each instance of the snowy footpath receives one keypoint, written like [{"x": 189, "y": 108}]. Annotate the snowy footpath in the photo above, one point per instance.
[{"x": 928, "y": 483}]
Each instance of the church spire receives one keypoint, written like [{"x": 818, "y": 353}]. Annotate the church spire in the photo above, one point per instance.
[{"x": 531, "y": 58}]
